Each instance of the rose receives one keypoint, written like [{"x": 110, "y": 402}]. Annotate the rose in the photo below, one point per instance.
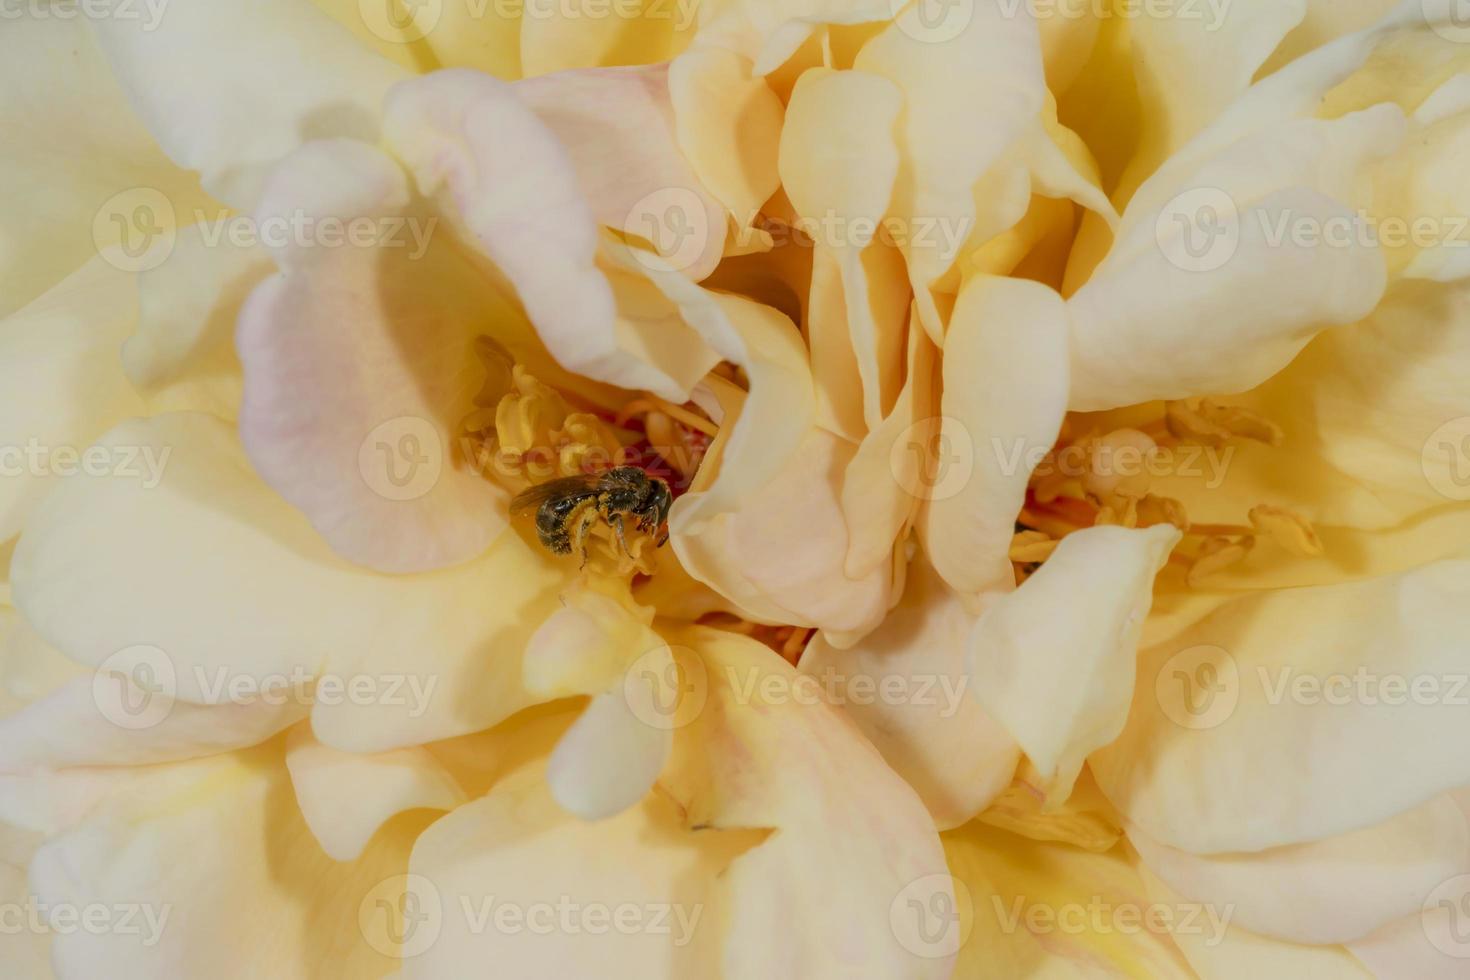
[{"x": 804, "y": 501}]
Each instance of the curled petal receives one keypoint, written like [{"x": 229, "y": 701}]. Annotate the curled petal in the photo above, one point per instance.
[{"x": 1061, "y": 683}]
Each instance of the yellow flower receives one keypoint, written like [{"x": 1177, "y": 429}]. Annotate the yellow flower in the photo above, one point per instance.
[{"x": 1062, "y": 408}]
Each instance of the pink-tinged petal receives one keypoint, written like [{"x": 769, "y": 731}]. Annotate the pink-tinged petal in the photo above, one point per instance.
[
  {"x": 516, "y": 191},
  {"x": 906, "y": 686},
  {"x": 230, "y": 89},
  {"x": 345, "y": 798},
  {"x": 1330, "y": 891},
  {"x": 852, "y": 841},
  {"x": 617, "y": 126},
  {"x": 1005, "y": 394},
  {"x": 783, "y": 554},
  {"x": 359, "y": 369}
]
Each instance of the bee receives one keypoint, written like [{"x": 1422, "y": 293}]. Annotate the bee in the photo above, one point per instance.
[{"x": 566, "y": 509}]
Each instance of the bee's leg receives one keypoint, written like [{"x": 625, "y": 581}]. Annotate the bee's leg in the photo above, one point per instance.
[
  {"x": 617, "y": 523},
  {"x": 585, "y": 517}
]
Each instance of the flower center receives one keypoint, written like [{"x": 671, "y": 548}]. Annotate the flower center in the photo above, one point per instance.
[{"x": 1091, "y": 477}]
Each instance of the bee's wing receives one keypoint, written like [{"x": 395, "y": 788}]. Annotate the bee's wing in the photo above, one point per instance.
[{"x": 568, "y": 486}]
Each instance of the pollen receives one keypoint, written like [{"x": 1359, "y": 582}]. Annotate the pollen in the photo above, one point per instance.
[{"x": 1093, "y": 478}]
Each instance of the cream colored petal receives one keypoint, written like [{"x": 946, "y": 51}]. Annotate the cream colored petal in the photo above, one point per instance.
[
  {"x": 885, "y": 482},
  {"x": 772, "y": 421},
  {"x": 108, "y": 719},
  {"x": 82, "y": 173},
  {"x": 1329, "y": 891},
  {"x": 609, "y": 758},
  {"x": 906, "y": 686},
  {"x": 729, "y": 127},
  {"x": 1325, "y": 21},
  {"x": 1419, "y": 947},
  {"x": 1005, "y": 393},
  {"x": 967, "y": 100},
  {"x": 225, "y": 878},
  {"x": 512, "y": 880},
  {"x": 838, "y": 165},
  {"x": 1367, "y": 680},
  {"x": 1192, "y": 65},
  {"x": 229, "y": 90},
  {"x": 1225, "y": 246},
  {"x": 27, "y": 942},
  {"x": 63, "y": 384},
  {"x": 852, "y": 842},
  {"x": 1236, "y": 952},
  {"x": 359, "y": 370},
  {"x": 559, "y": 36},
  {"x": 1054, "y": 661},
  {"x": 241, "y": 600},
  {"x": 768, "y": 32},
  {"x": 1041, "y": 910},
  {"x": 182, "y": 355},
  {"x": 346, "y": 798}
]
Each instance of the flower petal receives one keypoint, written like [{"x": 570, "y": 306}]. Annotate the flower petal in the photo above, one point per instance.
[
  {"x": 1367, "y": 681},
  {"x": 517, "y": 193},
  {"x": 1218, "y": 243},
  {"x": 1053, "y": 661},
  {"x": 906, "y": 686},
  {"x": 1005, "y": 393},
  {"x": 966, "y": 102},
  {"x": 852, "y": 839},
  {"x": 145, "y": 849},
  {"x": 346, "y": 798},
  {"x": 617, "y": 126},
  {"x": 1328, "y": 891},
  {"x": 182, "y": 355},
  {"x": 242, "y": 600},
  {"x": 228, "y": 91},
  {"x": 359, "y": 370},
  {"x": 64, "y": 384}
]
